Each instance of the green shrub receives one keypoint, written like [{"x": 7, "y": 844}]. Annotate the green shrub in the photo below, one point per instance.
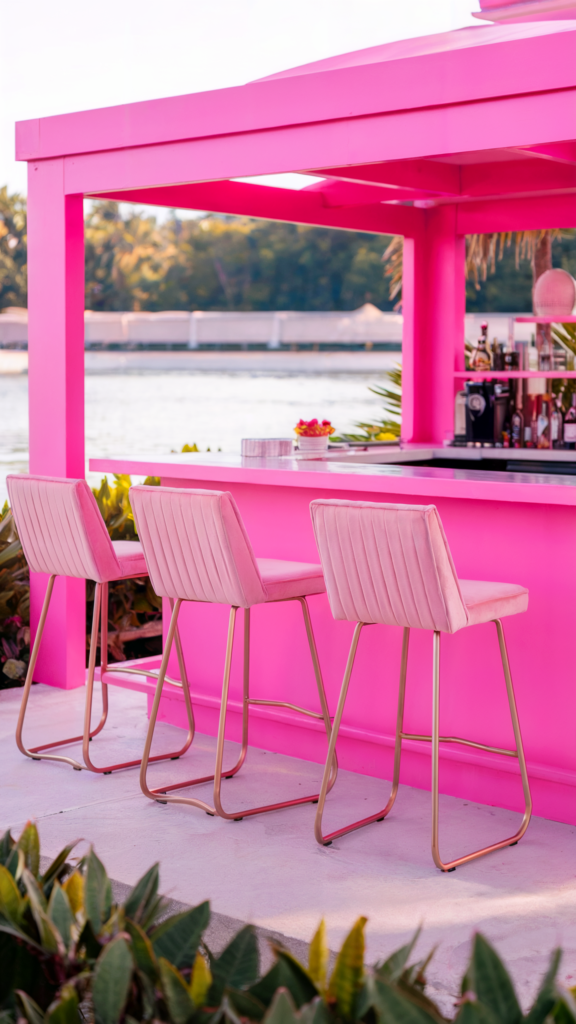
[{"x": 70, "y": 954}]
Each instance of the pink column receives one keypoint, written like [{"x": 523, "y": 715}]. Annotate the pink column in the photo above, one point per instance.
[
  {"x": 434, "y": 303},
  {"x": 56, "y": 392}
]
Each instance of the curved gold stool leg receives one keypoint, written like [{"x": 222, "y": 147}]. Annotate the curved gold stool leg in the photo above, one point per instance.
[
  {"x": 34, "y": 752},
  {"x": 160, "y": 795},
  {"x": 326, "y": 840},
  {"x": 518, "y": 752}
]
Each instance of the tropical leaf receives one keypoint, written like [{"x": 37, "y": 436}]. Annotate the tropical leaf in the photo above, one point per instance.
[
  {"x": 143, "y": 903},
  {"x": 392, "y": 968},
  {"x": 177, "y": 939},
  {"x": 282, "y": 1009},
  {"x": 97, "y": 892},
  {"x": 58, "y": 868},
  {"x": 60, "y": 913},
  {"x": 142, "y": 950},
  {"x": 65, "y": 1009},
  {"x": 74, "y": 889},
  {"x": 10, "y": 899},
  {"x": 548, "y": 994},
  {"x": 489, "y": 979},
  {"x": 318, "y": 957},
  {"x": 29, "y": 843},
  {"x": 237, "y": 966},
  {"x": 349, "y": 970},
  {"x": 30, "y": 1010},
  {"x": 285, "y": 973},
  {"x": 112, "y": 977},
  {"x": 200, "y": 980},
  {"x": 394, "y": 1006},
  {"x": 178, "y": 999}
]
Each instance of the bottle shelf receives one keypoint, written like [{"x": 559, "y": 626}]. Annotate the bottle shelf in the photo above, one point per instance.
[
  {"x": 515, "y": 374},
  {"x": 545, "y": 319}
]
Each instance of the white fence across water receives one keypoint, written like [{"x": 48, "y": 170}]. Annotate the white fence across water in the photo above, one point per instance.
[{"x": 364, "y": 328}]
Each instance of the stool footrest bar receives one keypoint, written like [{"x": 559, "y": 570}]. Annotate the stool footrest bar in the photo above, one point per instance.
[
  {"x": 457, "y": 739},
  {"x": 152, "y": 672},
  {"x": 284, "y": 704}
]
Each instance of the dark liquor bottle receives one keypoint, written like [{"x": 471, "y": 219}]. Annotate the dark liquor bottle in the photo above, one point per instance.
[{"x": 570, "y": 425}]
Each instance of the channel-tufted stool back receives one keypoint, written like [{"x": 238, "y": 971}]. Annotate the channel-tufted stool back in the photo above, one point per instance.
[
  {"x": 196, "y": 546},
  {"x": 61, "y": 529},
  {"x": 389, "y": 564}
]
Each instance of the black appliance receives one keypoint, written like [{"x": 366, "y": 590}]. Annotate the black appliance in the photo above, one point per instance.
[{"x": 487, "y": 403}]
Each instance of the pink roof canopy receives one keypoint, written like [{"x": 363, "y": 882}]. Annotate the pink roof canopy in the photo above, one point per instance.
[{"x": 483, "y": 117}]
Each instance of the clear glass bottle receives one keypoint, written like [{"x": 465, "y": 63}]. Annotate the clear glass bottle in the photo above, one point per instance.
[
  {"x": 545, "y": 355},
  {"x": 543, "y": 425},
  {"x": 557, "y": 424},
  {"x": 570, "y": 425},
  {"x": 480, "y": 358}
]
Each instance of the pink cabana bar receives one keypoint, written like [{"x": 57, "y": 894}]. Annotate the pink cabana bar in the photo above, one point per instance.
[{"x": 432, "y": 138}]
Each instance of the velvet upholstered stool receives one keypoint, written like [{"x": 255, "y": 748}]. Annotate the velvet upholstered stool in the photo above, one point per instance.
[
  {"x": 63, "y": 534},
  {"x": 391, "y": 564},
  {"x": 197, "y": 550}
]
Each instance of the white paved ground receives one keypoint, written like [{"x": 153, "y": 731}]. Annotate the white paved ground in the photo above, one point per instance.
[{"x": 270, "y": 871}]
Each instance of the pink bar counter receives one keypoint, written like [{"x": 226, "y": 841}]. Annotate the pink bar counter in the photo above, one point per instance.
[{"x": 501, "y": 526}]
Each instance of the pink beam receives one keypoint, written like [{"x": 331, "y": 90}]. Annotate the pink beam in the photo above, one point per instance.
[
  {"x": 245, "y": 199},
  {"x": 495, "y": 124},
  {"x": 533, "y": 214},
  {"x": 56, "y": 393},
  {"x": 433, "y": 303},
  {"x": 453, "y": 71}
]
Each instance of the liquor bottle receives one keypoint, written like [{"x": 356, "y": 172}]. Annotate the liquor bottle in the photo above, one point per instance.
[
  {"x": 516, "y": 429},
  {"x": 543, "y": 425},
  {"x": 556, "y": 424},
  {"x": 480, "y": 359},
  {"x": 570, "y": 424}
]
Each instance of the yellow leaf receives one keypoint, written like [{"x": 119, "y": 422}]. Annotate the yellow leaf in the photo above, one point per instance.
[
  {"x": 10, "y": 898},
  {"x": 200, "y": 980},
  {"x": 74, "y": 889},
  {"x": 349, "y": 970},
  {"x": 318, "y": 957}
]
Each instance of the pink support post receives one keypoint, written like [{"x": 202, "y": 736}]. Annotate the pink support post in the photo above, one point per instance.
[
  {"x": 432, "y": 346},
  {"x": 56, "y": 393}
]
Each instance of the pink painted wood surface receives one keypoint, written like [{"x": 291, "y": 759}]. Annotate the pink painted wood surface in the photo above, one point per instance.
[
  {"x": 488, "y": 541},
  {"x": 56, "y": 393},
  {"x": 435, "y": 71}
]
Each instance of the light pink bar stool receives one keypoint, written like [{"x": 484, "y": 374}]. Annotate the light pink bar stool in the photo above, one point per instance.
[
  {"x": 391, "y": 564},
  {"x": 197, "y": 549},
  {"x": 63, "y": 534}
]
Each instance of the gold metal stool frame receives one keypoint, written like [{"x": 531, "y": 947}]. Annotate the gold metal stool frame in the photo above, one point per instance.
[
  {"x": 435, "y": 739},
  {"x": 37, "y": 753},
  {"x": 161, "y": 794}
]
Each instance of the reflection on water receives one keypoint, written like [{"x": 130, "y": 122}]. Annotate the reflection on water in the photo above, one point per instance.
[{"x": 158, "y": 412}]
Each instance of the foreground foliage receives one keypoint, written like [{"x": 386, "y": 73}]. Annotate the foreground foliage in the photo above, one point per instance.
[
  {"x": 14, "y": 604},
  {"x": 388, "y": 428},
  {"x": 69, "y": 954}
]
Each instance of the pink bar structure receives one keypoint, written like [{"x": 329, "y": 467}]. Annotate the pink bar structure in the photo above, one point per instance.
[{"x": 432, "y": 138}]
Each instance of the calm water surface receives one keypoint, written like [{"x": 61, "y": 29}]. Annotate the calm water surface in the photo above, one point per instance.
[{"x": 144, "y": 412}]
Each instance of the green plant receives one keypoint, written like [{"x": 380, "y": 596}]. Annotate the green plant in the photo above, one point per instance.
[
  {"x": 132, "y": 603},
  {"x": 392, "y": 406},
  {"x": 14, "y": 604},
  {"x": 70, "y": 954}
]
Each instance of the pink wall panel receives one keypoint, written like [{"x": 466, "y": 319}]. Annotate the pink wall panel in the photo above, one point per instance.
[{"x": 488, "y": 541}]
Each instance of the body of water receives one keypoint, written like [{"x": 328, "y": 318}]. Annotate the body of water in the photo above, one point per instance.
[{"x": 157, "y": 412}]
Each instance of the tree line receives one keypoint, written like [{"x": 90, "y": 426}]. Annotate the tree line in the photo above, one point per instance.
[{"x": 214, "y": 262}]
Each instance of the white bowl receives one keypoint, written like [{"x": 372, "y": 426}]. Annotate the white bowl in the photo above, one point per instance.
[{"x": 313, "y": 444}]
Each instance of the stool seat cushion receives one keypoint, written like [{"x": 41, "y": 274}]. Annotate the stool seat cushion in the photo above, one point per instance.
[
  {"x": 486, "y": 601},
  {"x": 282, "y": 580},
  {"x": 130, "y": 557}
]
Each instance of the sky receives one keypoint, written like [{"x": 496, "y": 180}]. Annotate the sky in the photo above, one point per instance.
[{"x": 65, "y": 55}]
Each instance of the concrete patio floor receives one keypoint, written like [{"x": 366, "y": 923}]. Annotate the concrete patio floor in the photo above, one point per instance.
[{"x": 270, "y": 871}]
